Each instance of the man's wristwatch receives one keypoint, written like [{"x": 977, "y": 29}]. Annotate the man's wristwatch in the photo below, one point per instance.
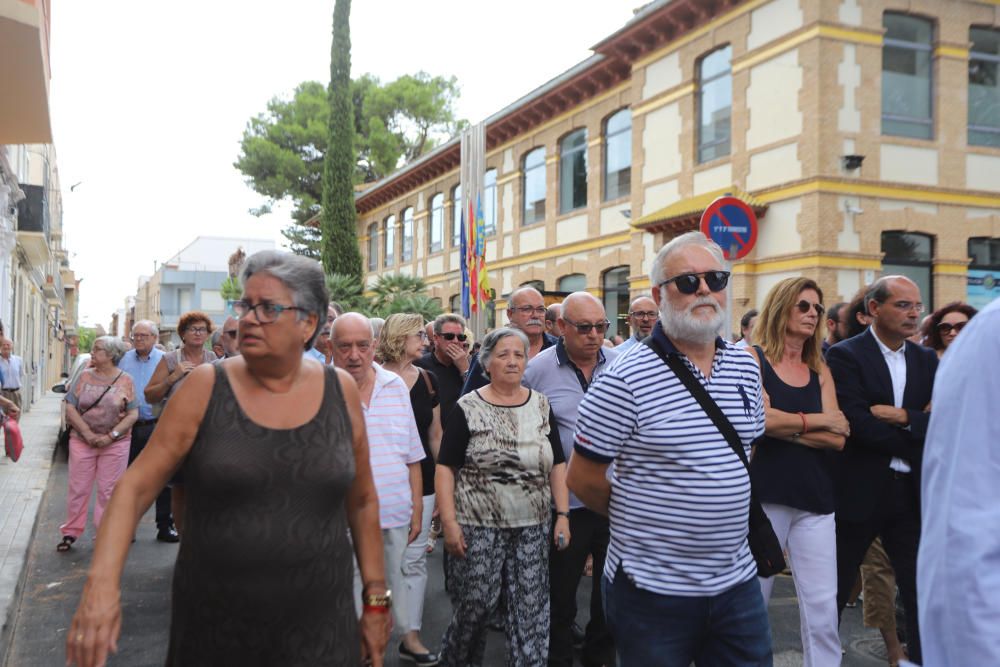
[
  {"x": 378, "y": 603},
  {"x": 115, "y": 435}
]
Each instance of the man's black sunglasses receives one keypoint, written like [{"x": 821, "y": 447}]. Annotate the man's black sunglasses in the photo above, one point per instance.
[
  {"x": 687, "y": 283},
  {"x": 453, "y": 336},
  {"x": 584, "y": 328}
]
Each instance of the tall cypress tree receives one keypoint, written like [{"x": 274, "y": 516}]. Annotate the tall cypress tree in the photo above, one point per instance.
[{"x": 338, "y": 223}]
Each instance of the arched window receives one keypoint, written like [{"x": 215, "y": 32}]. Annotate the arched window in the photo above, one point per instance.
[
  {"x": 618, "y": 155},
  {"x": 456, "y": 216},
  {"x": 533, "y": 186},
  {"x": 436, "y": 224},
  {"x": 407, "y": 253},
  {"x": 372, "y": 246},
  {"x": 455, "y": 304},
  {"x": 715, "y": 104},
  {"x": 616, "y": 292},
  {"x": 907, "y": 62},
  {"x": 574, "y": 282},
  {"x": 573, "y": 171},
  {"x": 389, "y": 240},
  {"x": 910, "y": 255},
  {"x": 984, "y": 87},
  {"x": 490, "y": 202}
]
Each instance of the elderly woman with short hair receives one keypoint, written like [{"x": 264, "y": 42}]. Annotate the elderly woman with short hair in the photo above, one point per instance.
[
  {"x": 276, "y": 466},
  {"x": 500, "y": 470},
  {"x": 101, "y": 407}
]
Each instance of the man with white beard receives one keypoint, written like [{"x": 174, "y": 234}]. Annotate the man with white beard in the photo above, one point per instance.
[{"x": 680, "y": 585}]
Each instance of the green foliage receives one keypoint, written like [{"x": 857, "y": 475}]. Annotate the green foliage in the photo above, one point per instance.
[
  {"x": 347, "y": 291},
  {"x": 426, "y": 306},
  {"x": 389, "y": 287},
  {"x": 231, "y": 289},
  {"x": 85, "y": 337},
  {"x": 338, "y": 221},
  {"x": 283, "y": 149}
]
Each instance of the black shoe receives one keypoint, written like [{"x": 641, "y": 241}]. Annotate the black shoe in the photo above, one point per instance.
[
  {"x": 167, "y": 534},
  {"x": 579, "y": 636},
  {"x": 423, "y": 659}
]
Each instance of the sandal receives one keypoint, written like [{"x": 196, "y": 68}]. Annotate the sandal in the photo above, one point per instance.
[{"x": 66, "y": 543}]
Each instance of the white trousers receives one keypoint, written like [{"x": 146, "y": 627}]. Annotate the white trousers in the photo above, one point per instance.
[
  {"x": 415, "y": 569},
  {"x": 811, "y": 543},
  {"x": 394, "y": 545}
]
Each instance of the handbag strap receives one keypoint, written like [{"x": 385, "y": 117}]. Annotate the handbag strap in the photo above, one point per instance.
[
  {"x": 106, "y": 390},
  {"x": 701, "y": 395},
  {"x": 427, "y": 380}
]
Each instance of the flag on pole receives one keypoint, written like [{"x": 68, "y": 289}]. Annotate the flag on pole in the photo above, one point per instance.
[
  {"x": 472, "y": 261},
  {"x": 482, "y": 284},
  {"x": 465, "y": 265}
]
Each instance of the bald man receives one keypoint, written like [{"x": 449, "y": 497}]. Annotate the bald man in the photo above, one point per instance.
[
  {"x": 564, "y": 373},
  {"x": 642, "y": 316},
  {"x": 527, "y": 313}
]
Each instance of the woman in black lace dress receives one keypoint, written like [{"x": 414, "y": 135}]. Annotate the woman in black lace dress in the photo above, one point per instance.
[{"x": 275, "y": 460}]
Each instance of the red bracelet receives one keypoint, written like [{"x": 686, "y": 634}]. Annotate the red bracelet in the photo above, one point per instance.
[
  {"x": 375, "y": 609},
  {"x": 805, "y": 427}
]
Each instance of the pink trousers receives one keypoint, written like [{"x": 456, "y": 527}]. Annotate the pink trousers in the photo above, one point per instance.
[{"x": 86, "y": 465}]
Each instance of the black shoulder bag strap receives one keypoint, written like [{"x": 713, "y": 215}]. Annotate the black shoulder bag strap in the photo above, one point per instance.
[
  {"x": 764, "y": 544},
  {"x": 103, "y": 393}
]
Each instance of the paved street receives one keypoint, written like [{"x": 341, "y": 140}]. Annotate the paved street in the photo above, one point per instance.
[{"x": 53, "y": 583}]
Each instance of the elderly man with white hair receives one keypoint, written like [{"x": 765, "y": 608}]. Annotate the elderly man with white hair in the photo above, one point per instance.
[
  {"x": 680, "y": 584},
  {"x": 394, "y": 449}
]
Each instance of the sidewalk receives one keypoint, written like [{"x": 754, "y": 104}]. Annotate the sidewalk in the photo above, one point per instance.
[{"x": 22, "y": 486}]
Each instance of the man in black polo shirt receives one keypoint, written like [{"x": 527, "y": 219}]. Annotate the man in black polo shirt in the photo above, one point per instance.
[{"x": 448, "y": 360}]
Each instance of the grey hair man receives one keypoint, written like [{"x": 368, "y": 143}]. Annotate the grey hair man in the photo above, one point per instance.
[
  {"x": 230, "y": 338},
  {"x": 642, "y": 315},
  {"x": 564, "y": 373},
  {"x": 394, "y": 448},
  {"x": 552, "y": 314},
  {"x": 669, "y": 561}
]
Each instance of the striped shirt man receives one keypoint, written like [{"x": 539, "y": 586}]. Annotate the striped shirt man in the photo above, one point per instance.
[
  {"x": 679, "y": 494},
  {"x": 393, "y": 444}
]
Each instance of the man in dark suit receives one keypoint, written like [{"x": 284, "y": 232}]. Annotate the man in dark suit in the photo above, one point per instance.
[{"x": 884, "y": 388}]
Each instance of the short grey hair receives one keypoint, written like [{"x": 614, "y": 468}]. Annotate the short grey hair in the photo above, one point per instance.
[
  {"x": 491, "y": 340},
  {"x": 447, "y": 318},
  {"x": 114, "y": 346},
  {"x": 302, "y": 276},
  {"x": 216, "y": 335},
  {"x": 657, "y": 270},
  {"x": 153, "y": 329},
  {"x": 879, "y": 291}
]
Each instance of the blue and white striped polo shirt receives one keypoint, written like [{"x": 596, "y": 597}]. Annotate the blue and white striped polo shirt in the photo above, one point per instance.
[{"x": 679, "y": 494}]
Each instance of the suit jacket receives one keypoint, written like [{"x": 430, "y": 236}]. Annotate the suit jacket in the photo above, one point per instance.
[{"x": 862, "y": 378}]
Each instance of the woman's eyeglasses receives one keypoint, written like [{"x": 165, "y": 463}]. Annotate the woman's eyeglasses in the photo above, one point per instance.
[
  {"x": 945, "y": 328},
  {"x": 265, "y": 312},
  {"x": 584, "y": 328},
  {"x": 687, "y": 283},
  {"x": 804, "y": 307},
  {"x": 453, "y": 336}
]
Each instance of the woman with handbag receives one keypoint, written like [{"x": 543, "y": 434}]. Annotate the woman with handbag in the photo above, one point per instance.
[
  {"x": 791, "y": 467},
  {"x": 100, "y": 408},
  {"x": 400, "y": 343}
]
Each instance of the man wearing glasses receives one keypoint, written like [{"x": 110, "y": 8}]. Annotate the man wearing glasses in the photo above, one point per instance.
[
  {"x": 447, "y": 359},
  {"x": 140, "y": 362},
  {"x": 679, "y": 583},
  {"x": 564, "y": 373},
  {"x": 641, "y": 317},
  {"x": 884, "y": 387},
  {"x": 230, "y": 344},
  {"x": 527, "y": 313}
]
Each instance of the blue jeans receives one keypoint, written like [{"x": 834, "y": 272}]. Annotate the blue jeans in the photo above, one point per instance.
[{"x": 651, "y": 630}]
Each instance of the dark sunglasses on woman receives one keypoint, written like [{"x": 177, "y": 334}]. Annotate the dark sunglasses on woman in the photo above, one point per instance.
[
  {"x": 946, "y": 328},
  {"x": 687, "y": 283},
  {"x": 804, "y": 307}
]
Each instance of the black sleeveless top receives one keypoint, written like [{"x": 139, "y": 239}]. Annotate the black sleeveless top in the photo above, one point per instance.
[
  {"x": 265, "y": 571},
  {"x": 788, "y": 473}
]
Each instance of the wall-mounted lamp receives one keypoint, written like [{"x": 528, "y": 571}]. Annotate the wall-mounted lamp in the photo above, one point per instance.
[{"x": 852, "y": 162}]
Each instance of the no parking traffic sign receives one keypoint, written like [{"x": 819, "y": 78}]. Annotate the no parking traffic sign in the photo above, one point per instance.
[{"x": 732, "y": 224}]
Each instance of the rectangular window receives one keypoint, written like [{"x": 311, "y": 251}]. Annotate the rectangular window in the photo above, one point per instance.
[
  {"x": 407, "y": 253},
  {"x": 907, "y": 101},
  {"x": 618, "y": 155},
  {"x": 490, "y": 202},
  {"x": 436, "y": 224},
  {"x": 573, "y": 171},
  {"x": 533, "y": 186},
  {"x": 715, "y": 104},
  {"x": 389, "y": 240},
  {"x": 984, "y": 87},
  {"x": 372, "y": 247},
  {"x": 984, "y": 253},
  {"x": 183, "y": 300},
  {"x": 456, "y": 217}
]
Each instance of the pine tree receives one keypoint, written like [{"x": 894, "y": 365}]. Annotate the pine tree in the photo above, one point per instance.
[{"x": 338, "y": 223}]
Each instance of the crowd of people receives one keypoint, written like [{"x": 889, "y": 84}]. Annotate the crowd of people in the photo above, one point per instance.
[{"x": 341, "y": 446}]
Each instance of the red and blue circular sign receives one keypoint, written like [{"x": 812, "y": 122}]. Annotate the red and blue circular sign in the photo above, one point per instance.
[{"x": 730, "y": 222}]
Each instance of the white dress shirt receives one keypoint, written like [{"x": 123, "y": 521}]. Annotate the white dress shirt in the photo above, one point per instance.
[
  {"x": 896, "y": 361},
  {"x": 958, "y": 566}
]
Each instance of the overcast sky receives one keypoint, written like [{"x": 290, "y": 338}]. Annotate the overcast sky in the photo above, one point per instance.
[{"x": 149, "y": 101}]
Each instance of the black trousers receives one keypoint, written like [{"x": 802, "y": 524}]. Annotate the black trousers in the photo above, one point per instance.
[
  {"x": 140, "y": 436},
  {"x": 589, "y": 536},
  {"x": 897, "y": 521}
]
